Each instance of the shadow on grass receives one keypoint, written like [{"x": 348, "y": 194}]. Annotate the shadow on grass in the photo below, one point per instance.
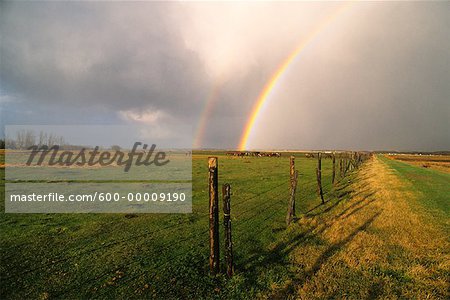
[
  {"x": 289, "y": 290},
  {"x": 278, "y": 255},
  {"x": 340, "y": 191}
]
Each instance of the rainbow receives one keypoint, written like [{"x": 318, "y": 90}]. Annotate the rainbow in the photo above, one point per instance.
[
  {"x": 207, "y": 111},
  {"x": 271, "y": 83}
]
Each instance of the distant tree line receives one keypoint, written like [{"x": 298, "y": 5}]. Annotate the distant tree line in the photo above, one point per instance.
[{"x": 24, "y": 139}]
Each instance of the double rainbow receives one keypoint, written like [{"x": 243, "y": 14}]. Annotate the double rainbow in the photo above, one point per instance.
[{"x": 268, "y": 88}]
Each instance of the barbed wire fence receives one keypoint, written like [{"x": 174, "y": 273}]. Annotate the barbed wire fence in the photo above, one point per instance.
[
  {"x": 347, "y": 162},
  {"x": 254, "y": 209}
]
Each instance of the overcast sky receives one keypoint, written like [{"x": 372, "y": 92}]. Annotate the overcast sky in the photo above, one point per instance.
[{"x": 377, "y": 76}]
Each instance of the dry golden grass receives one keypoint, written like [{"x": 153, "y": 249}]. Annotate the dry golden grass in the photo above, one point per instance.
[
  {"x": 372, "y": 246},
  {"x": 435, "y": 162}
]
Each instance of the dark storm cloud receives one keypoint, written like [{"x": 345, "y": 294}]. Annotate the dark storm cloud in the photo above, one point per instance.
[{"x": 114, "y": 56}]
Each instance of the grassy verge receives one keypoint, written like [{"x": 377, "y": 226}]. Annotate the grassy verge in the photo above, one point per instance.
[
  {"x": 373, "y": 245},
  {"x": 431, "y": 186}
]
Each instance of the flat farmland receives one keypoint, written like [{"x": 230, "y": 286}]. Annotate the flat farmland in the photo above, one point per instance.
[
  {"x": 351, "y": 246},
  {"x": 53, "y": 255},
  {"x": 436, "y": 162}
]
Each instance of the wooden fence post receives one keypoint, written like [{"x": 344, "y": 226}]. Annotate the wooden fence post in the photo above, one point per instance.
[
  {"x": 226, "y": 192},
  {"x": 347, "y": 165},
  {"x": 290, "y": 213},
  {"x": 334, "y": 168},
  {"x": 214, "y": 252},
  {"x": 292, "y": 179},
  {"x": 353, "y": 161},
  {"x": 319, "y": 177}
]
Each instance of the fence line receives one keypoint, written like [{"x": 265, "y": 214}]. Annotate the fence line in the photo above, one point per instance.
[{"x": 347, "y": 162}]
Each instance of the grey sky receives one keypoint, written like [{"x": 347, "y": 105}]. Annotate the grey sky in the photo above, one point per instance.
[{"x": 376, "y": 77}]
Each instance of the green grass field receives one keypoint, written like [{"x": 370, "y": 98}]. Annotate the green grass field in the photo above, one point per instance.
[{"x": 108, "y": 256}]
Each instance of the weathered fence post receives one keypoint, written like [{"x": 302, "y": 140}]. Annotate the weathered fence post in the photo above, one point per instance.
[
  {"x": 226, "y": 192},
  {"x": 334, "y": 168},
  {"x": 353, "y": 161},
  {"x": 292, "y": 179},
  {"x": 349, "y": 163},
  {"x": 290, "y": 213},
  {"x": 214, "y": 252},
  {"x": 345, "y": 165},
  {"x": 319, "y": 177}
]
